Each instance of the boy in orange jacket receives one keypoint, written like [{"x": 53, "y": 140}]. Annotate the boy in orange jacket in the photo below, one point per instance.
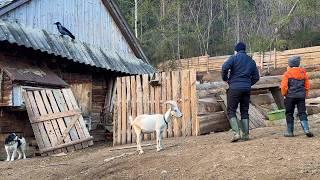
[{"x": 295, "y": 87}]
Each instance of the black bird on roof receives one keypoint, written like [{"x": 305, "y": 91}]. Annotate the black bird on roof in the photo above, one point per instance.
[{"x": 64, "y": 31}]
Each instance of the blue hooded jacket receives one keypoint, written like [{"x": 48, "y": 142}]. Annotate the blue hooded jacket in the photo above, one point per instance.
[{"x": 240, "y": 71}]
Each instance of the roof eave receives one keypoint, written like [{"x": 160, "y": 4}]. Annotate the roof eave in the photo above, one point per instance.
[
  {"x": 125, "y": 29},
  {"x": 12, "y": 6}
]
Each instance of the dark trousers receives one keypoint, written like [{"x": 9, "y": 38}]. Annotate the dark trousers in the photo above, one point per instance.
[
  {"x": 234, "y": 98},
  {"x": 290, "y": 104}
]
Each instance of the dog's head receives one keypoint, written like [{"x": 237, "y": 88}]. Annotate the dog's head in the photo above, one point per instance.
[{"x": 11, "y": 138}]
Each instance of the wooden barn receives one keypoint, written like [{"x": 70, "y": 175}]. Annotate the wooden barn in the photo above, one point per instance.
[{"x": 38, "y": 67}]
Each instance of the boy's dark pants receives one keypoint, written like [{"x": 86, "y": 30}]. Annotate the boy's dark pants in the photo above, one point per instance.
[
  {"x": 290, "y": 104},
  {"x": 234, "y": 98}
]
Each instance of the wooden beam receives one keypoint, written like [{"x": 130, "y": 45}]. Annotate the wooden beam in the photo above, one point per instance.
[
  {"x": 66, "y": 144},
  {"x": 278, "y": 98},
  {"x": 55, "y": 116},
  {"x": 130, "y": 147},
  {"x": 66, "y": 131}
]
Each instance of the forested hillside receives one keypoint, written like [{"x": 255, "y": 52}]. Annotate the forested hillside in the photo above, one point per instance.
[{"x": 172, "y": 29}]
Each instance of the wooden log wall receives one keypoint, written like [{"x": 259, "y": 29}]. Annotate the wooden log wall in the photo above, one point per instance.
[
  {"x": 273, "y": 59},
  {"x": 99, "y": 91},
  {"x": 211, "y": 116},
  {"x": 6, "y": 90},
  {"x": 136, "y": 96}
]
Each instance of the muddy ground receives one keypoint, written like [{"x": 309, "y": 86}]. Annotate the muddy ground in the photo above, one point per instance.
[{"x": 268, "y": 155}]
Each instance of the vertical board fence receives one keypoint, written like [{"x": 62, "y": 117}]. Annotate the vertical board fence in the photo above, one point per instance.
[
  {"x": 135, "y": 95},
  {"x": 265, "y": 60}
]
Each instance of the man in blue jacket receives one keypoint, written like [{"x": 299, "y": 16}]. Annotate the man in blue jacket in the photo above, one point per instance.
[{"x": 240, "y": 72}]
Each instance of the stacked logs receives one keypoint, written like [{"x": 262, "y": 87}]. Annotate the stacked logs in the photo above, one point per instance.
[{"x": 211, "y": 116}]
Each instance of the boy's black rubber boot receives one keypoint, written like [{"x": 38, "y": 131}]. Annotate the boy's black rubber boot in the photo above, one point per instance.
[{"x": 305, "y": 127}]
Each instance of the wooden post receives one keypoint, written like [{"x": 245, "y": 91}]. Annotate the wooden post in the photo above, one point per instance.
[
  {"x": 146, "y": 99},
  {"x": 128, "y": 85},
  {"x": 275, "y": 58},
  {"x": 164, "y": 98},
  {"x": 261, "y": 61},
  {"x": 194, "y": 104},
  {"x": 119, "y": 91},
  {"x": 133, "y": 104},
  {"x": 152, "y": 107},
  {"x": 278, "y": 98},
  {"x": 123, "y": 111},
  {"x": 176, "y": 81},
  {"x": 169, "y": 97}
]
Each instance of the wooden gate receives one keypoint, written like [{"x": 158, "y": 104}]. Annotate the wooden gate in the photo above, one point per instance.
[
  {"x": 135, "y": 95},
  {"x": 56, "y": 120}
]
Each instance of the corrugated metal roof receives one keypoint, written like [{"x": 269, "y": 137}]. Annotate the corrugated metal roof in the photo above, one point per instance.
[
  {"x": 5, "y": 2},
  {"x": 27, "y": 74},
  {"x": 73, "y": 50}
]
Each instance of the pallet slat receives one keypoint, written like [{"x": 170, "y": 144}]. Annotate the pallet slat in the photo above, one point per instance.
[
  {"x": 63, "y": 107},
  {"x": 60, "y": 121},
  {"x": 80, "y": 128},
  {"x": 47, "y": 124}
]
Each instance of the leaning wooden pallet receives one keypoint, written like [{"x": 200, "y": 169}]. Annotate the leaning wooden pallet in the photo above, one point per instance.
[{"x": 56, "y": 120}]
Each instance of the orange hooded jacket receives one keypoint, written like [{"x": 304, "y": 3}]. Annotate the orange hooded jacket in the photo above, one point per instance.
[{"x": 297, "y": 73}]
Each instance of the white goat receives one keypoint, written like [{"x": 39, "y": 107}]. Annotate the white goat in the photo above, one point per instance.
[{"x": 146, "y": 123}]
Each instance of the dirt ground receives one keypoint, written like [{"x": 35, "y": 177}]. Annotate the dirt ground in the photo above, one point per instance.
[{"x": 268, "y": 155}]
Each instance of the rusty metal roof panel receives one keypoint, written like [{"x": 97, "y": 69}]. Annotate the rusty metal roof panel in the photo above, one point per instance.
[
  {"x": 27, "y": 74},
  {"x": 72, "y": 49}
]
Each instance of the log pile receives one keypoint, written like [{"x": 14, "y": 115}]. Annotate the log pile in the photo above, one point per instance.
[{"x": 211, "y": 116}]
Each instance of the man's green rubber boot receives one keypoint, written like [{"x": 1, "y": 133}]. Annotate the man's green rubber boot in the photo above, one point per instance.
[{"x": 235, "y": 129}]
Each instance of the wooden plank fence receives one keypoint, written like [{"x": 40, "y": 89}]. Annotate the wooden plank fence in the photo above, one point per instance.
[
  {"x": 135, "y": 95},
  {"x": 264, "y": 60}
]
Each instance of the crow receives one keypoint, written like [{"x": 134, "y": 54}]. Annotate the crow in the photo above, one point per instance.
[{"x": 64, "y": 31}]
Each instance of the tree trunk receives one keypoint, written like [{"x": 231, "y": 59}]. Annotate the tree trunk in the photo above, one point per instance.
[
  {"x": 136, "y": 18},
  {"x": 238, "y": 22}
]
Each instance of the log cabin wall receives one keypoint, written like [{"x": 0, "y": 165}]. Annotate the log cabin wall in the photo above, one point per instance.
[
  {"x": 102, "y": 88},
  {"x": 6, "y": 90},
  {"x": 14, "y": 121},
  {"x": 81, "y": 86},
  {"x": 99, "y": 90}
]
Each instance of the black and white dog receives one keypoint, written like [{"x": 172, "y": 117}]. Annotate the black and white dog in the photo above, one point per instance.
[{"x": 14, "y": 144}]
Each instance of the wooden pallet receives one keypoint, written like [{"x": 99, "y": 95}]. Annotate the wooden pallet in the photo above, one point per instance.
[{"x": 56, "y": 120}]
